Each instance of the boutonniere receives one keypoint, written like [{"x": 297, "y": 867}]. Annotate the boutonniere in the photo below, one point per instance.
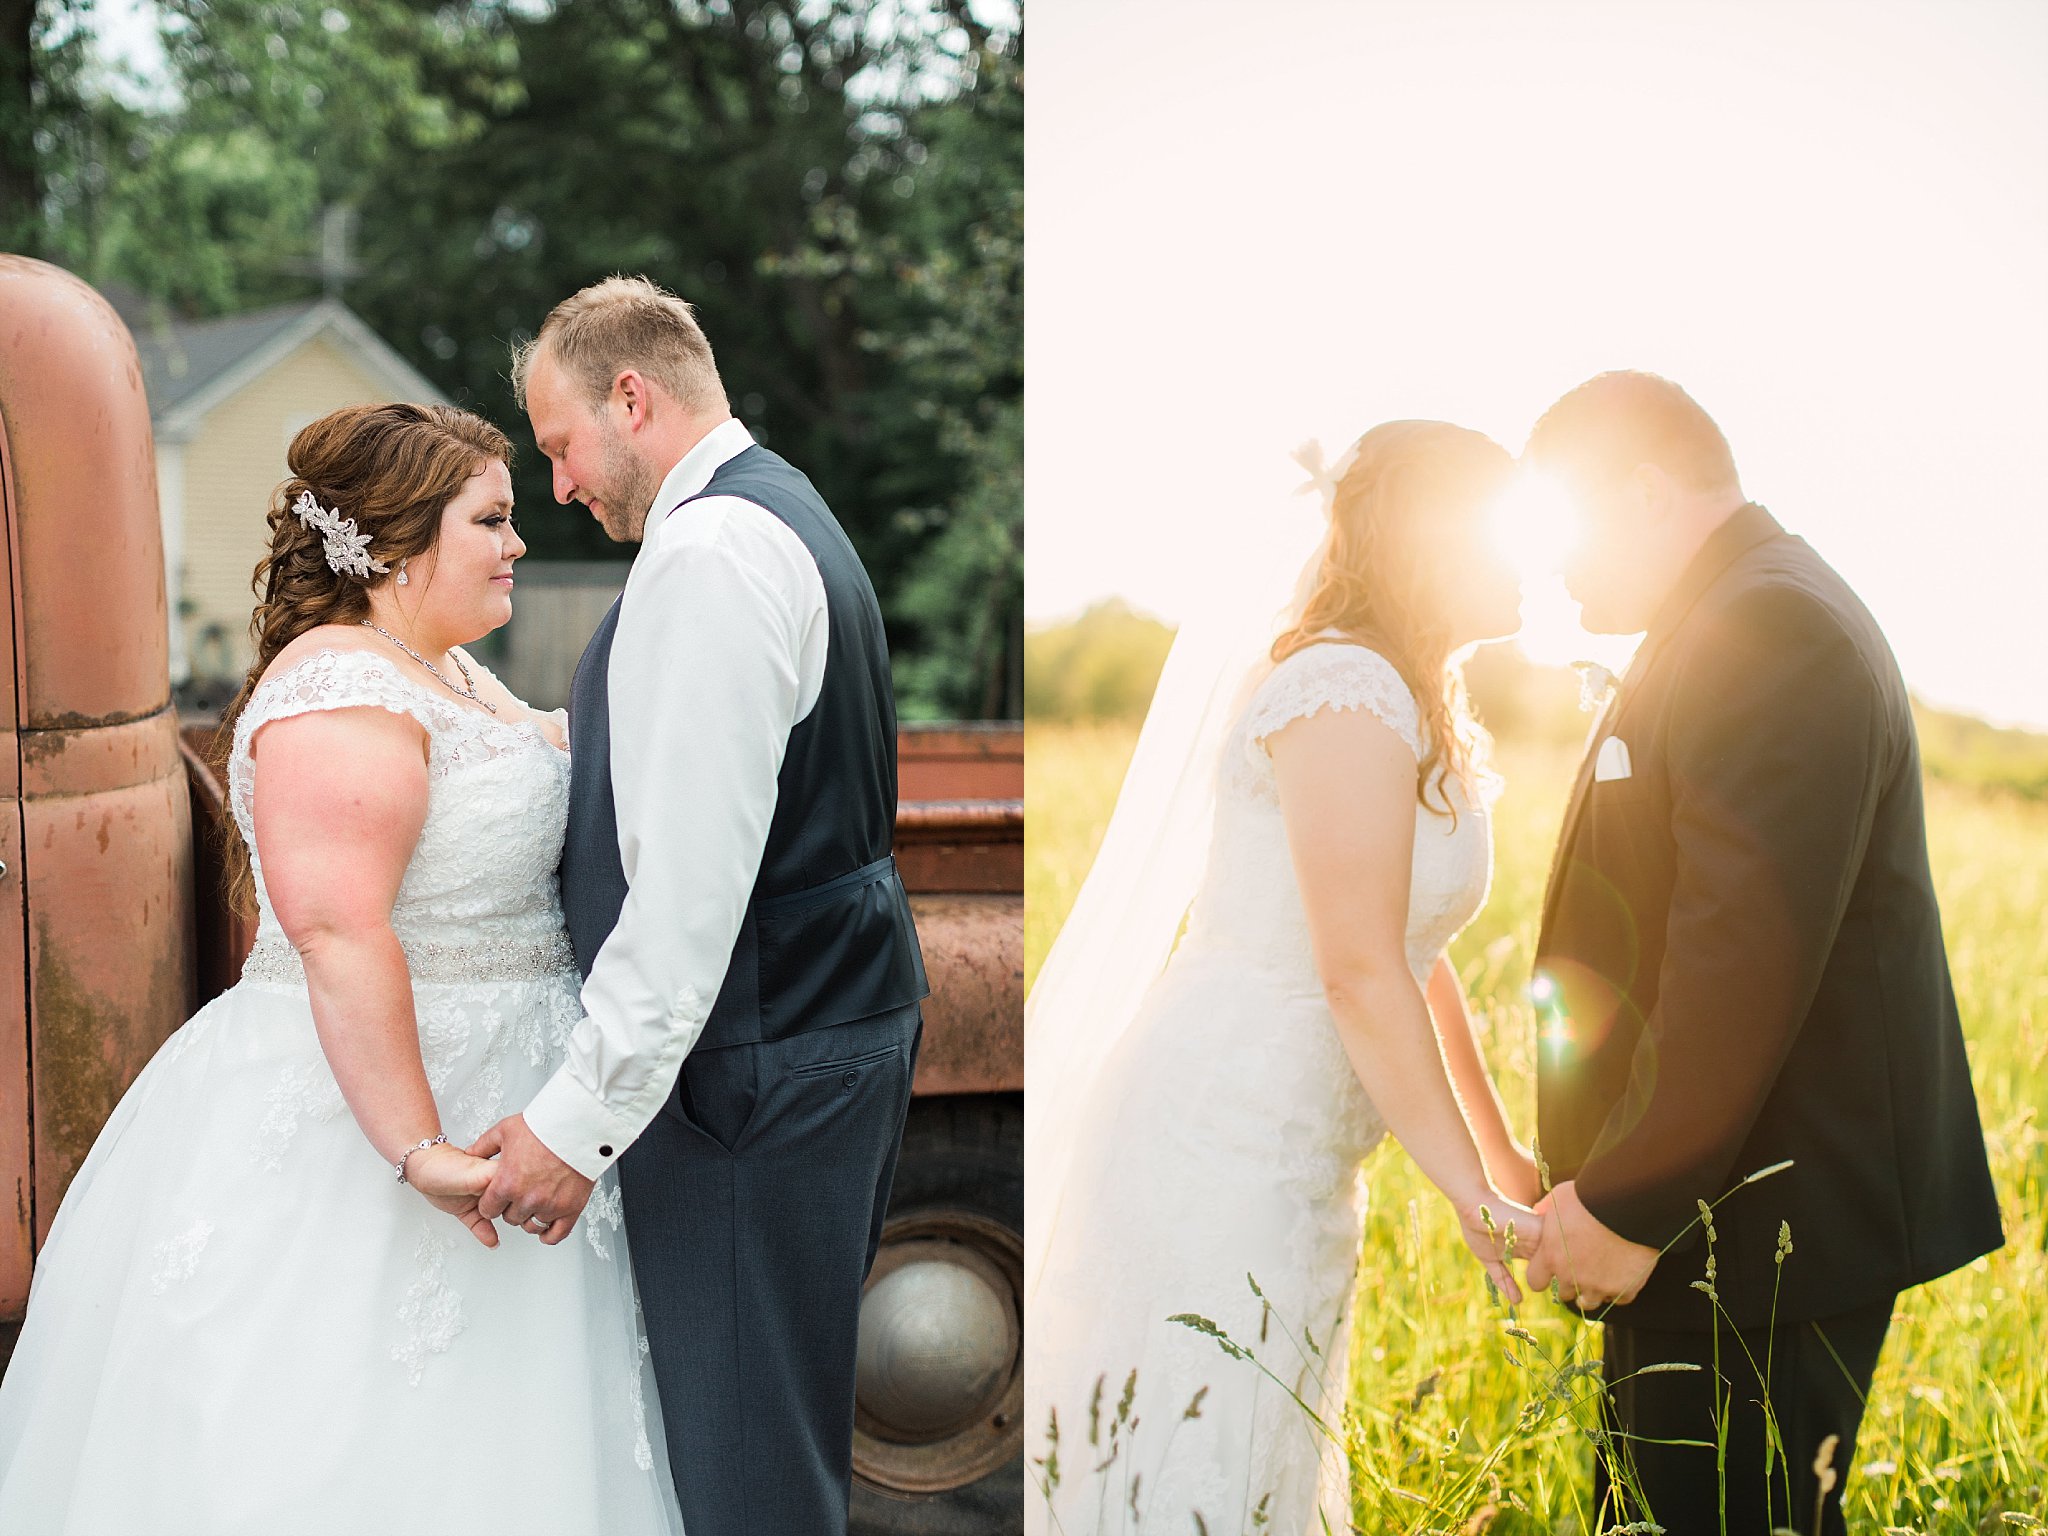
[{"x": 1596, "y": 685}]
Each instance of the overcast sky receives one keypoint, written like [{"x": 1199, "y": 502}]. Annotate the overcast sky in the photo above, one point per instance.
[{"x": 1250, "y": 224}]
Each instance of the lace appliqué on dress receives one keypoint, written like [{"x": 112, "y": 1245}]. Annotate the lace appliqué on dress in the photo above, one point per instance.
[
  {"x": 188, "y": 1035},
  {"x": 299, "y": 1091},
  {"x": 432, "y": 1309},
  {"x": 607, "y": 1205},
  {"x": 482, "y": 1104},
  {"x": 444, "y": 1039},
  {"x": 543, "y": 1036},
  {"x": 177, "y": 1258},
  {"x": 636, "y": 1391}
]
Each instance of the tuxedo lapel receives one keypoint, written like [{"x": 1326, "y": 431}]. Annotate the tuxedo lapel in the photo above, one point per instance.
[
  {"x": 1575, "y": 806},
  {"x": 596, "y": 654},
  {"x": 592, "y": 878},
  {"x": 590, "y": 697},
  {"x": 1746, "y": 528}
]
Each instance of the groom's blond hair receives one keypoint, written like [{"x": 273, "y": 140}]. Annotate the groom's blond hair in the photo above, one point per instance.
[
  {"x": 1615, "y": 421},
  {"x": 620, "y": 323}
]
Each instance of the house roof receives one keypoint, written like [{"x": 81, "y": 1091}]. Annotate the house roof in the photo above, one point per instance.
[{"x": 190, "y": 366}]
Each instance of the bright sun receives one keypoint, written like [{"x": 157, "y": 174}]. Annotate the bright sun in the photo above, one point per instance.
[{"x": 1534, "y": 523}]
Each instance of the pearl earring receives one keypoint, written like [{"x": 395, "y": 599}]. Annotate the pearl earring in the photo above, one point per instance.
[{"x": 402, "y": 577}]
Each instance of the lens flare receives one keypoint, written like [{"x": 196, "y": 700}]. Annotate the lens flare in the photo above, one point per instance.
[{"x": 1554, "y": 1027}]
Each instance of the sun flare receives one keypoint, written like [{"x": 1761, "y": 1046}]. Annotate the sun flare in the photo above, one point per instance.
[{"x": 1534, "y": 523}]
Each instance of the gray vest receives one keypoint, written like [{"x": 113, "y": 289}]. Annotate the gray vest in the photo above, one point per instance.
[{"x": 827, "y": 935}]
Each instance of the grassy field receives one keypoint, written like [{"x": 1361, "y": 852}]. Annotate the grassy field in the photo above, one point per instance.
[{"x": 1463, "y": 1429}]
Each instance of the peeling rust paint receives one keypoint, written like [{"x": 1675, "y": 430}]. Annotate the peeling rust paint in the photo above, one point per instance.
[
  {"x": 57, "y": 722},
  {"x": 960, "y": 848},
  {"x": 974, "y": 1020},
  {"x": 107, "y": 984},
  {"x": 77, "y": 1073}
]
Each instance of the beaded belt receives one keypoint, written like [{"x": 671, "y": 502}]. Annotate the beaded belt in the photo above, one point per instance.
[{"x": 273, "y": 959}]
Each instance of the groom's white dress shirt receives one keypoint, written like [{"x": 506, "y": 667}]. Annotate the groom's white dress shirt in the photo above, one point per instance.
[{"x": 719, "y": 652}]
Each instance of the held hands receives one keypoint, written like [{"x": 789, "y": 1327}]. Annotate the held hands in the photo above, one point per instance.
[
  {"x": 453, "y": 1181},
  {"x": 1484, "y": 1221},
  {"x": 1592, "y": 1265},
  {"x": 531, "y": 1187}
]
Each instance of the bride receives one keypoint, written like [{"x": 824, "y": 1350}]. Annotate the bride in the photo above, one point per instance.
[
  {"x": 269, "y": 1301},
  {"x": 1309, "y": 796}
]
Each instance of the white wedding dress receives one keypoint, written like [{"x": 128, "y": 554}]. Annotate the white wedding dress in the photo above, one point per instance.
[
  {"x": 1221, "y": 1140},
  {"x": 243, "y": 1325}
]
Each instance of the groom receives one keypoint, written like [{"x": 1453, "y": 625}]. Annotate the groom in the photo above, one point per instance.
[
  {"x": 752, "y": 978},
  {"x": 1740, "y": 966}
]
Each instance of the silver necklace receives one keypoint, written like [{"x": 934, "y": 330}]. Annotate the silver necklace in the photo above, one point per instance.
[{"x": 468, "y": 688}]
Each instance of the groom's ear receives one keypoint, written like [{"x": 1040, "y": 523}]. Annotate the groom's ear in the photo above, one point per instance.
[
  {"x": 632, "y": 396},
  {"x": 1652, "y": 491}
]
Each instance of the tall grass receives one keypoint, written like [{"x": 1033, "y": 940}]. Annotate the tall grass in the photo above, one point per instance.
[{"x": 1457, "y": 1425}]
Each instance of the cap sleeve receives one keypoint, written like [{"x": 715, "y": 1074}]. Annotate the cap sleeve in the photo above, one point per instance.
[
  {"x": 1334, "y": 676},
  {"x": 335, "y": 680}
]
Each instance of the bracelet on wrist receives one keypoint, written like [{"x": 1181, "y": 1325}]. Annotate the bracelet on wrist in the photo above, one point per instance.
[{"x": 431, "y": 1141}]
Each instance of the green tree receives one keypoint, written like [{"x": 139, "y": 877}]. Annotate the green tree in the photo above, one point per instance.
[
  {"x": 837, "y": 187},
  {"x": 1103, "y": 665},
  {"x": 944, "y": 290},
  {"x": 42, "y": 53}
]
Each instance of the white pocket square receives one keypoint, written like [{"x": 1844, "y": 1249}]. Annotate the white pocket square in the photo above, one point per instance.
[{"x": 1612, "y": 763}]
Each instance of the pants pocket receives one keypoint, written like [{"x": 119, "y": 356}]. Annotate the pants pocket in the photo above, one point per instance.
[
  {"x": 845, "y": 1065},
  {"x": 717, "y": 1093}
]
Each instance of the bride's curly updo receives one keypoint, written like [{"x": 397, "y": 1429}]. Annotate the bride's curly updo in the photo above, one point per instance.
[
  {"x": 1398, "y": 522},
  {"x": 392, "y": 469}
]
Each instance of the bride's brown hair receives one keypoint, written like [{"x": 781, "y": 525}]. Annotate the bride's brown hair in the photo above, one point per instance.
[
  {"x": 1378, "y": 582},
  {"x": 393, "y": 469}
]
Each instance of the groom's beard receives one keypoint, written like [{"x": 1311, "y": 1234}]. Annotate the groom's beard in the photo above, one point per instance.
[{"x": 627, "y": 494}]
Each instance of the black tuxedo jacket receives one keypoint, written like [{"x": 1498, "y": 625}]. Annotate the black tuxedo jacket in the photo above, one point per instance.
[{"x": 1741, "y": 960}]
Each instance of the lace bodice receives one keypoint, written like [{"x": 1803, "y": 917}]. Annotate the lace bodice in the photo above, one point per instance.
[
  {"x": 482, "y": 878},
  {"x": 1248, "y": 898}
]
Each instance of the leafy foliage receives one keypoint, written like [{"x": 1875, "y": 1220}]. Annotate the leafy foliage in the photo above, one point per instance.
[{"x": 1101, "y": 666}]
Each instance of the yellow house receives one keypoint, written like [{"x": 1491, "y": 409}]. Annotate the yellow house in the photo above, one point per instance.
[{"x": 226, "y": 396}]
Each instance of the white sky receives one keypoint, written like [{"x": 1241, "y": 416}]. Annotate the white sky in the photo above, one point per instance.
[
  {"x": 1253, "y": 223},
  {"x": 129, "y": 51}
]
